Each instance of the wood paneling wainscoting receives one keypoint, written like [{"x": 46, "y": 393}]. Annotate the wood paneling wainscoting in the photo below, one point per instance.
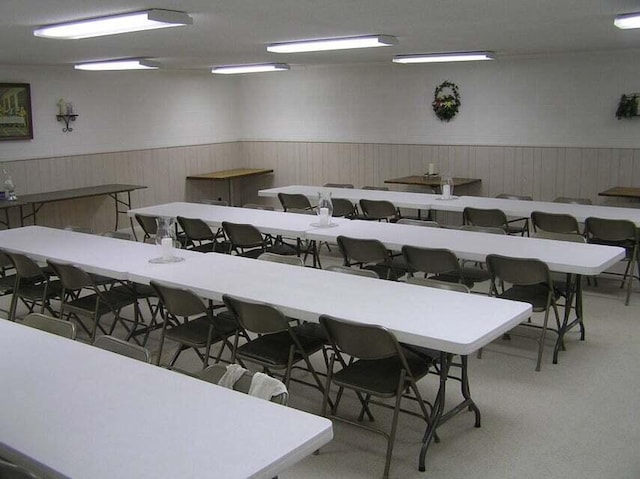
[{"x": 541, "y": 172}]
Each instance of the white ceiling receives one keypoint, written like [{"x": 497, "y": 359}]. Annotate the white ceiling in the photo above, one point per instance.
[{"x": 236, "y": 31}]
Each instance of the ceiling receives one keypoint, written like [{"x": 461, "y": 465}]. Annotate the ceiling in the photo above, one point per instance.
[{"x": 236, "y": 31}]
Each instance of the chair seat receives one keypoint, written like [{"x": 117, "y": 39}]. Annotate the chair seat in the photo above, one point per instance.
[
  {"x": 114, "y": 298},
  {"x": 273, "y": 349},
  {"x": 7, "y": 283},
  {"x": 34, "y": 291},
  {"x": 195, "y": 332},
  {"x": 536, "y": 295},
  {"x": 312, "y": 330},
  {"x": 380, "y": 376}
]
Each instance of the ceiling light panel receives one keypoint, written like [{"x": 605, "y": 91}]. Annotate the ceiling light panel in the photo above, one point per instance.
[
  {"x": 116, "y": 65},
  {"x": 629, "y": 20},
  {"x": 256, "y": 68},
  {"x": 444, "y": 57},
  {"x": 115, "y": 24},
  {"x": 368, "y": 41}
]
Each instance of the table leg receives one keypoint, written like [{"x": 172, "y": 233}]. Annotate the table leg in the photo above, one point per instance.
[
  {"x": 574, "y": 294},
  {"x": 230, "y": 187},
  {"x": 438, "y": 417}
]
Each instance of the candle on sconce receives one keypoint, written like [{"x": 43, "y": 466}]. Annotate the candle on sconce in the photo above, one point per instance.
[
  {"x": 432, "y": 169},
  {"x": 446, "y": 191},
  {"x": 69, "y": 108},
  {"x": 61, "y": 104}
]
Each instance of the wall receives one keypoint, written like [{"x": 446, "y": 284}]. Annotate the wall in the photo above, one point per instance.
[
  {"x": 121, "y": 111},
  {"x": 566, "y": 101}
]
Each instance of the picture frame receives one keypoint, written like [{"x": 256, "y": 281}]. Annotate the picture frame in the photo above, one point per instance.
[{"x": 16, "y": 119}]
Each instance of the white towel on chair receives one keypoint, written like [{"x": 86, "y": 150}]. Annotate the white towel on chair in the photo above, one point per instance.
[
  {"x": 265, "y": 387},
  {"x": 231, "y": 376}
]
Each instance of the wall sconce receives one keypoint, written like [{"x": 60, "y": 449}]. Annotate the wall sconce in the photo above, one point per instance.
[{"x": 66, "y": 114}]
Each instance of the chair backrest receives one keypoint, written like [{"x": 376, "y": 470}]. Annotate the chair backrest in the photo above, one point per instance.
[
  {"x": 294, "y": 200},
  {"x": 610, "y": 230},
  {"x": 493, "y": 218},
  {"x": 148, "y": 224},
  {"x": 363, "y": 341},
  {"x": 509, "y": 196},
  {"x": 378, "y": 209},
  {"x": 301, "y": 211},
  {"x": 14, "y": 471},
  {"x": 554, "y": 223},
  {"x": 179, "y": 302},
  {"x": 415, "y": 222},
  {"x": 120, "y": 346},
  {"x": 338, "y": 185},
  {"x": 52, "y": 325},
  {"x": 242, "y": 235},
  {"x": 195, "y": 229},
  {"x": 483, "y": 229},
  {"x": 123, "y": 235},
  {"x": 214, "y": 202},
  {"x": 214, "y": 373},
  {"x": 574, "y": 201},
  {"x": 518, "y": 271},
  {"x": 25, "y": 267},
  {"x": 379, "y": 188},
  {"x": 355, "y": 271},
  {"x": 282, "y": 258},
  {"x": 342, "y": 207},
  {"x": 256, "y": 206},
  {"x": 360, "y": 250},
  {"x": 570, "y": 237},
  {"x": 434, "y": 283},
  {"x": 430, "y": 260},
  {"x": 71, "y": 277},
  {"x": 259, "y": 318}
]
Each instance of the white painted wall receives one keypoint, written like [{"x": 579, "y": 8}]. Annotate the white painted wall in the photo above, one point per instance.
[
  {"x": 121, "y": 111},
  {"x": 567, "y": 100}
]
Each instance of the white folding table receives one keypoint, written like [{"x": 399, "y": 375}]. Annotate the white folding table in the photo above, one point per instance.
[
  {"x": 275, "y": 223},
  {"x": 453, "y": 323},
  {"x": 400, "y": 199},
  {"x": 525, "y": 208},
  {"x": 574, "y": 259},
  {"x": 72, "y": 410}
]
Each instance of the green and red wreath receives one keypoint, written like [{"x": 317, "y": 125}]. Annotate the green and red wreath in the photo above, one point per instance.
[{"x": 446, "y": 100}]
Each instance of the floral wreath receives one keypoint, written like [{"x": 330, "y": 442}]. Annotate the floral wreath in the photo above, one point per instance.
[{"x": 446, "y": 106}]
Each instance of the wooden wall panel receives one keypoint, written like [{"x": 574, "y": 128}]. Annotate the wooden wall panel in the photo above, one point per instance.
[{"x": 543, "y": 173}]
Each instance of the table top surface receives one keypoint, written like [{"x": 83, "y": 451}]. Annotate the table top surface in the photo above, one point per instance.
[
  {"x": 560, "y": 256},
  {"x": 271, "y": 222},
  {"x": 458, "y": 203},
  {"x": 4, "y": 204},
  {"x": 443, "y": 320},
  {"x": 74, "y": 193},
  {"x": 85, "y": 412},
  {"x": 401, "y": 199},
  {"x": 431, "y": 180},
  {"x": 622, "y": 192},
  {"x": 230, "y": 174},
  {"x": 525, "y": 208}
]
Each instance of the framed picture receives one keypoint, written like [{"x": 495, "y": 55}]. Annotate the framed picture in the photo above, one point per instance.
[{"x": 15, "y": 112}]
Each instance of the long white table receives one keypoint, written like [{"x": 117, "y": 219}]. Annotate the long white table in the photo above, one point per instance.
[
  {"x": 525, "y": 208},
  {"x": 268, "y": 222},
  {"x": 450, "y": 322},
  {"x": 73, "y": 410},
  {"x": 458, "y": 204},
  {"x": 400, "y": 199}
]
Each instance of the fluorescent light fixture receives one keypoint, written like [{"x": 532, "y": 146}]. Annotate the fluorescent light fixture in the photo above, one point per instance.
[
  {"x": 262, "y": 67},
  {"x": 628, "y": 20},
  {"x": 124, "y": 64},
  {"x": 115, "y": 24},
  {"x": 444, "y": 57},
  {"x": 345, "y": 43}
]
